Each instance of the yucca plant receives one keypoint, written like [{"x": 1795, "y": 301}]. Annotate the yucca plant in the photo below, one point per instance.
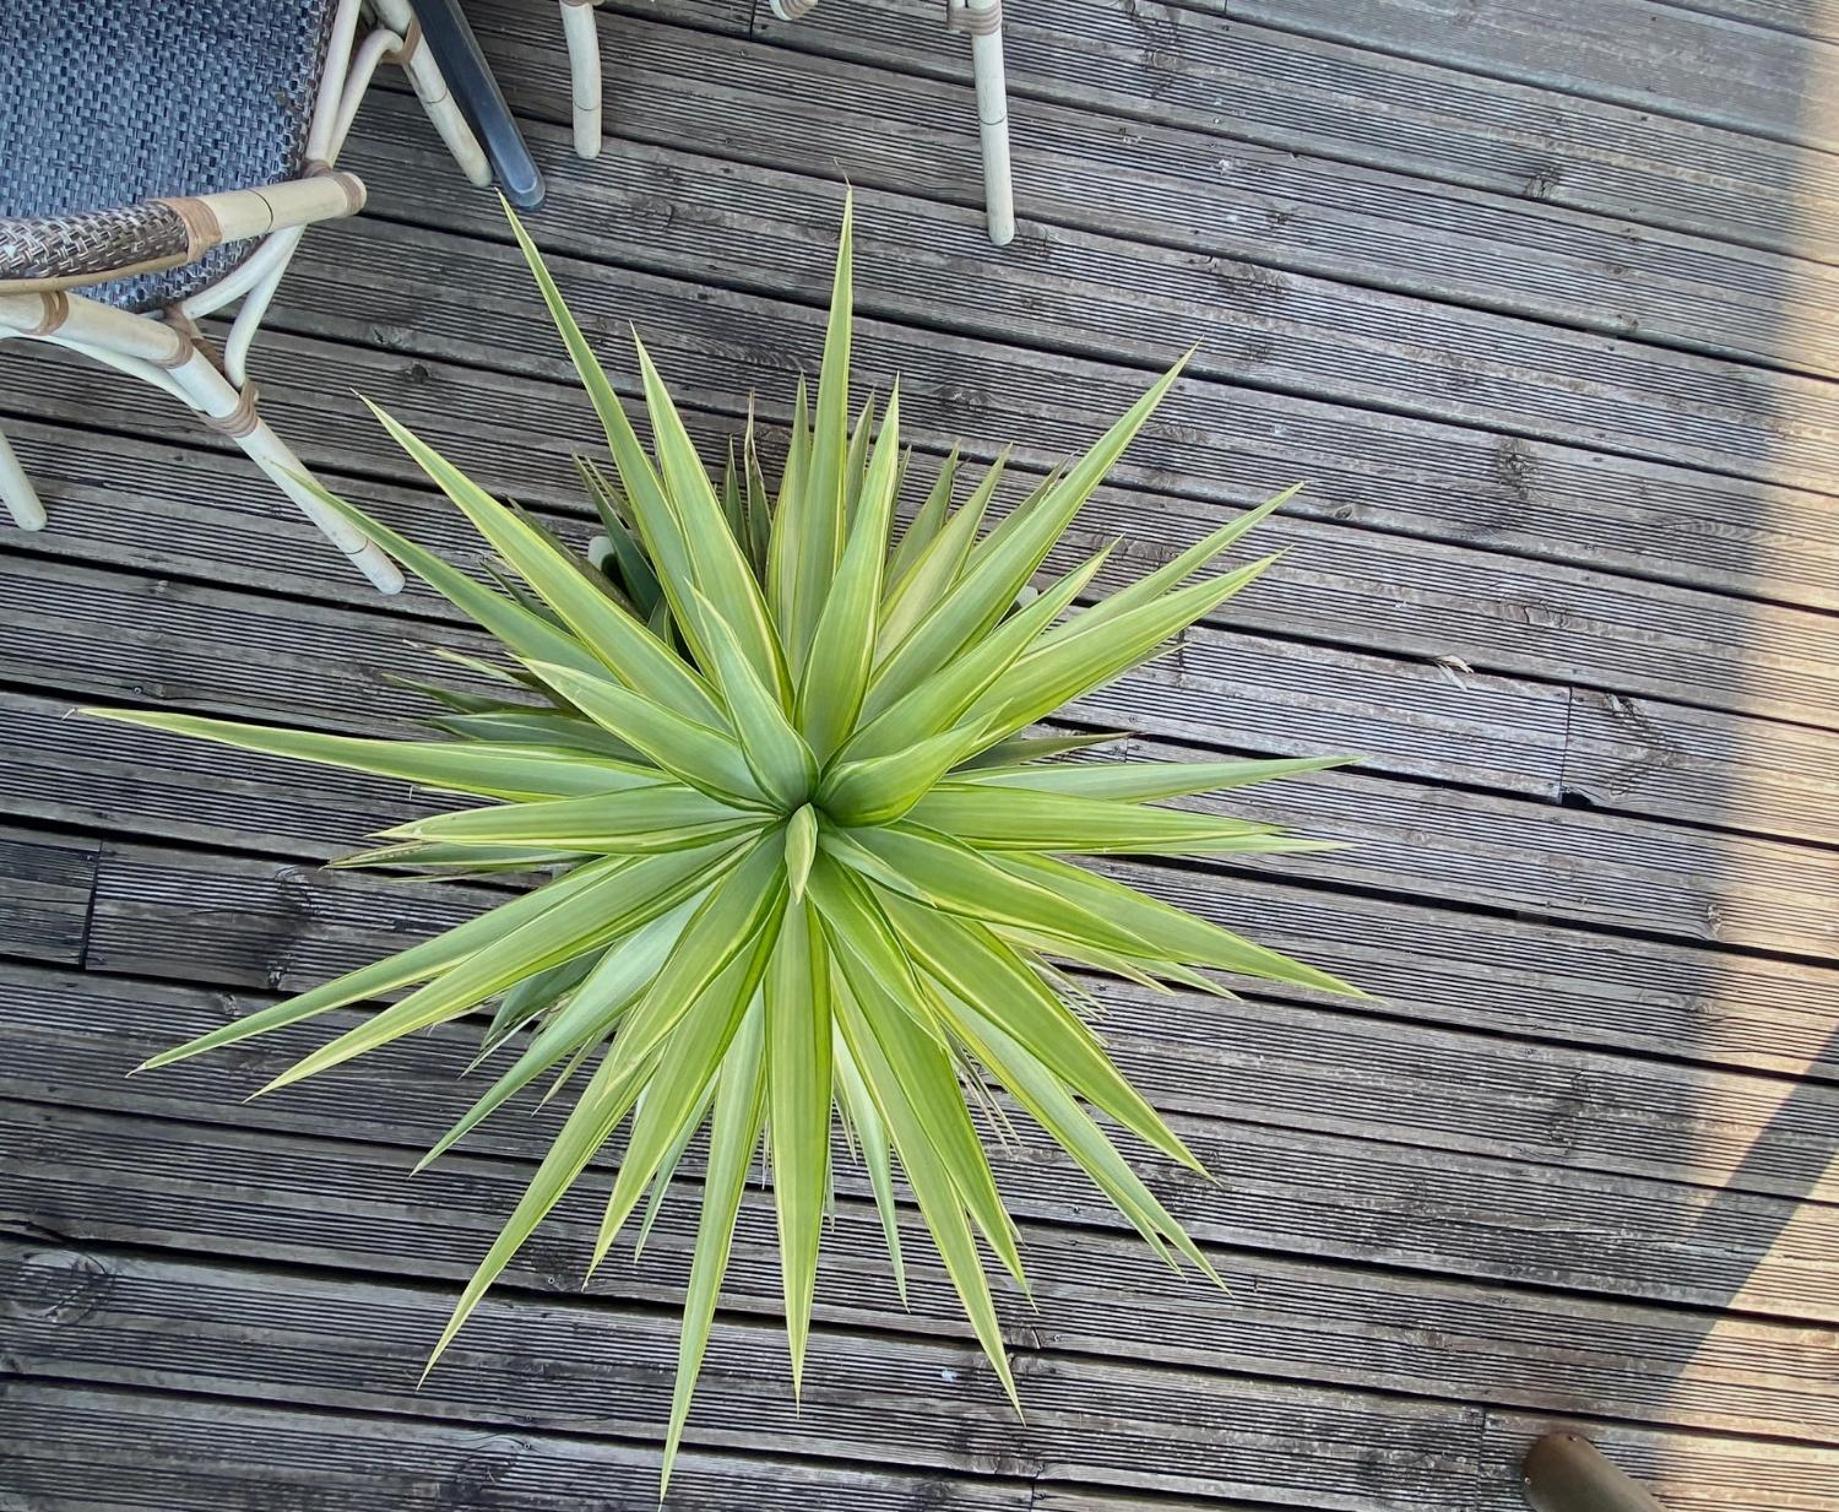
[{"x": 805, "y": 862}]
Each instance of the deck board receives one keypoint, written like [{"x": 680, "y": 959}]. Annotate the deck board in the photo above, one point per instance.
[
  {"x": 1536, "y": 981},
  {"x": 1310, "y": 1321},
  {"x": 1788, "y": 455},
  {"x": 338, "y": 1345},
  {"x": 1799, "y": 16},
  {"x": 1540, "y": 298},
  {"x": 1297, "y": 77},
  {"x": 1271, "y": 1065},
  {"x": 250, "y": 1458},
  {"x": 1661, "y": 58},
  {"x": 49, "y": 881},
  {"x": 1441, "y": 848},
  {"x": 1491, "y": 493}
]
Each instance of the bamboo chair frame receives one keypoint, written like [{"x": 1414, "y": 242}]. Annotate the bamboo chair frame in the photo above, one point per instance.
[
  {"x": 165, "y": 348},
  {"x": 982, "y": 22},
  {"x": 583, "y": 40}
]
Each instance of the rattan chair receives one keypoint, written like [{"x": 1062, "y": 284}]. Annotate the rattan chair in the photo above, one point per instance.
[
  {"x": 982, "y": 22},
  {"x": 211, "y": 128}
]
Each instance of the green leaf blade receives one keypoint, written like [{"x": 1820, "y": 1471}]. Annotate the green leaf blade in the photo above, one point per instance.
[{"x": 799, "y": 1037}]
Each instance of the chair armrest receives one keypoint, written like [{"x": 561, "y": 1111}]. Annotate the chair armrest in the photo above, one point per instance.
[{"x": 40, "y": 255}]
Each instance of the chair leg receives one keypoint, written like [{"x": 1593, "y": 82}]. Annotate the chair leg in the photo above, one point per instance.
[
  {"x": 431, "y": 89},
  {"x": 16, "y": 491},
  {"x": 584, "y": 73},
  {"x": 983, "y": 19},
  {"x": 233, "y": 413},
  {"x": 276, "y": 458},
  {"x": 165, "y": 354}
]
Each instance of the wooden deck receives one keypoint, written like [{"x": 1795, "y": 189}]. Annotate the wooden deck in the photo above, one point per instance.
[{"x": 1539, "y": 294}]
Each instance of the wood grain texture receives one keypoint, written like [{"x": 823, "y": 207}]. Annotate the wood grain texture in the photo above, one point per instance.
[
  {"x": 343, "y": 1206},
  {"x": 45, "y": 884},
  {"x": 1486, "y": 611},
  {"x": 79, "y": 1449},
  {"x": 1558, "y": 364},
  {"x": 114, "y": 500},
  {"x": 1569, "y": 866},
  {"x": 1109, "y": 298},
  {"x": 1295, "y": 76},
  {"x": 355, "y": 1345},
  {"x": 1396, "y": 1192},
  {"x": 1660, "y": 58},
  {"x": 1695, "y": 1475},
  {"x": 341, "y": 1345},
  {"x": 1213, "y": 444},
  {"x": 92, "y": 633},
  {"x": 1547, "y": 981},
  {"x": 1809, "y": 18},
  {"x": 256, "y": 810},
  {"x": 1790, "y": 445},
  {"x": 1666, "y": 759},
  {"x": 1475, "y": 489},
  {"x": 1277, "y": 1064}
]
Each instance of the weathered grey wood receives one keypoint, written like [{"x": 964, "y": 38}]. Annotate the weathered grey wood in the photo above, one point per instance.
[
  {"x": 1389, "y": 593},
  {"x": 785, "y": 230},
  {"x": 1111, "y": 299},
  {"x": 1264, "y": 1066},
  {"x": 588, "y": 1368},
  {"x": 171, "y": 508},
  {"x": 1211, "y": 443},
  {"x": 158, "y": 641},
  {"x": 344, "y": 1207},
  {"x": 1692, "y": 1474},
  {"x": 1271, "y": 1063},
  {"x": 319, "y": 664},
  {"x": 1703, "y": 1474},
  {"x": 1403, "y": 1191},
  {"x": 1310, "y": 88},
  {"x": 1789, "y": 444},
  {"x": 1567, "y": 864},
  {"x": 1431, "y": 844},
  {"x": 584, "y": 1367},
  {"x": 1805, "y": 17},
  {"x": 65, "y": 769},
  {"x": 1520, "y": 495},
  {"x": 1628, "y": 754},
  {"x": 78, "y": 1449},
  {"x": 93, "y": 633},
  {"x": 1568, "y": 1165},
  {"x": 1798, "y": 678},
  {"x": 115, "y": 500},
  {"x": 1660, "y": 58},
  {"x": 45, "y": 883},
  {"x": 1545, "y": 613},
  {"x": 1666, "y": 759},
  {"x": 1543, "y": 981}
]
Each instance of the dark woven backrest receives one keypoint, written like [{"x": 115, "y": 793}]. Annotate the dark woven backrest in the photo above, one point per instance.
[{"x": 105, "y": 103}]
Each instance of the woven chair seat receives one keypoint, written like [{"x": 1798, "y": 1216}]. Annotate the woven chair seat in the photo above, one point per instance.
[{"x": 108, "y": 103}]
